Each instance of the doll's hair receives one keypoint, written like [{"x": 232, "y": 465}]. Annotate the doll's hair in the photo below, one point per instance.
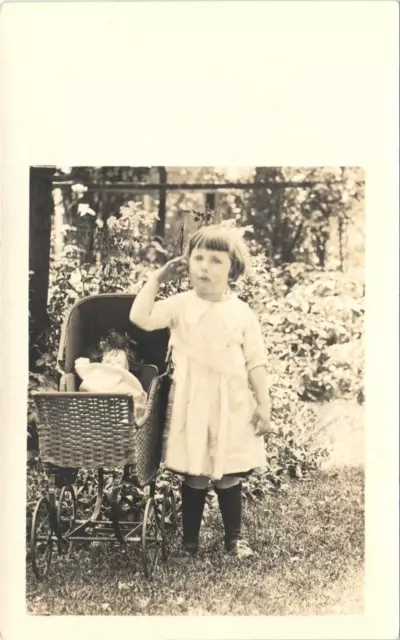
[
  {"x": 115, "y": 341},
  {"x": 218, "y": 237}
]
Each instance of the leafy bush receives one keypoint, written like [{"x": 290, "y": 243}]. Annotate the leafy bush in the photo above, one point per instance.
[
  {"x": 312, "y": 322},
  {"x": 312, "y": 319}
]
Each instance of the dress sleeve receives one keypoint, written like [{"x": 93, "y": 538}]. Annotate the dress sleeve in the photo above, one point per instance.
[
  {"x": 163, "y": 315},
  {"x": 253, "y": 343}
]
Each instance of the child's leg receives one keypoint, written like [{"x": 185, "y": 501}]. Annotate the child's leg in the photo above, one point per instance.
[
  {"x": 229, "y": 492},
  {"x": 194, "y": 492}
]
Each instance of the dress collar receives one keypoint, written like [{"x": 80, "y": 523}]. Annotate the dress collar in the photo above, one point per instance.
[{"x": 196, "y": 307}]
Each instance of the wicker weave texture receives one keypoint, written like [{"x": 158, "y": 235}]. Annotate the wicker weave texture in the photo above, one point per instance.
[
  {"x": 149, "y": 436},
  {"x": 85, "y": 429}
]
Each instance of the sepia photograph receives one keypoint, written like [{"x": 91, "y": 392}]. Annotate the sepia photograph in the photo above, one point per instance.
[
  {"x": 199, "y": 223},
  {"x": 195, "y": 428}
]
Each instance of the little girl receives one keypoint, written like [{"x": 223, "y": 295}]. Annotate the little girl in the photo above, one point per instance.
[{"x": 220, "y": 404}]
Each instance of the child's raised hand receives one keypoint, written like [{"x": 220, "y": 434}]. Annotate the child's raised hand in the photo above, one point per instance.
[
  {"x": 261, "y": 419},
  {"x": 173, "y": 269}
]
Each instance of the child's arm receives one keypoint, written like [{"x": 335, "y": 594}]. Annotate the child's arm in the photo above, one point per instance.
[
  {"x": 262, "y": 415},
  {"x": 259, "y": 383},
  {"x": 253, "y": 346},
  {"x": 145, "y": 312},
  {"x": 142, "y": 307}
]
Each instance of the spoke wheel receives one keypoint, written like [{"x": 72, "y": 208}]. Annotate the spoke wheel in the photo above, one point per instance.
[
  {"x": 168, "y": 521},
  {"x": 66, "y": 513},
  {"x": 151, "y": 539},
  {"x": 41, "y": 539}
]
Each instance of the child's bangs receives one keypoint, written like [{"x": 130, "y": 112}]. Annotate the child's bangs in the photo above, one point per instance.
[{"x": 213, "y": 240}]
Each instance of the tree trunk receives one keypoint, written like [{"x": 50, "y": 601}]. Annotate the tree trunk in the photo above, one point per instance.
[
  {"x": 267, "y": 205},
  {"x": 160, "y": 226},
  {"x": 41, "y": 207}
]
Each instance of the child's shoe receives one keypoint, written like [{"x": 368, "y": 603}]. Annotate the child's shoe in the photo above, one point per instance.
[
  {"x": 239, "y": 549},
  {"x": 186, "y": 551}
]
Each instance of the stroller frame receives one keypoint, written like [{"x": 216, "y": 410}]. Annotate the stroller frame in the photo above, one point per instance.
[{"x": 97, "y": 431}]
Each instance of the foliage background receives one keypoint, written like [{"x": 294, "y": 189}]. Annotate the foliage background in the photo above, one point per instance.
[{"x": 305, "y": 233}]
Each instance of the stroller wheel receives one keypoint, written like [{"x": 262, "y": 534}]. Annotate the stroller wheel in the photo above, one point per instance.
[
  {"x": 66, "y": 513},
  {"x": 41, "y": 539},
  {"x": 151, "y": 539},
  {"x": 168, "y": 521}
]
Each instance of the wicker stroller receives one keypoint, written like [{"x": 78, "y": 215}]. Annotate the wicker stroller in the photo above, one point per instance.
[{"x": 79, "y": 430}]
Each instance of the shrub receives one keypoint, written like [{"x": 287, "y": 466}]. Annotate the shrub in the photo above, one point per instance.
[{"x": 312, "y": 322}]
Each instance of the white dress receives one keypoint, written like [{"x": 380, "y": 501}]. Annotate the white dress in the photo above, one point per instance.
[{"x": 214, "y": 346}]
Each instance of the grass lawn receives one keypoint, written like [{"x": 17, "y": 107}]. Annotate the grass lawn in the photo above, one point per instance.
[{"x": 310, "y": 541}]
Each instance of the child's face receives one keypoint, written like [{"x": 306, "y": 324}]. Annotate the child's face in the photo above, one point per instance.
[
  {"x": 209, "y": 271},
  {"x": 116, "y": 358}
]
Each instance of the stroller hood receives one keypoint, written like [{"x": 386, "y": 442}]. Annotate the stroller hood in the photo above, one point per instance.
[{"x": 90, "y": 318}]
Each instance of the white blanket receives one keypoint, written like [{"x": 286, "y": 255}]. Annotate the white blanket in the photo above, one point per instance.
[{"x": 99, "y": 377}]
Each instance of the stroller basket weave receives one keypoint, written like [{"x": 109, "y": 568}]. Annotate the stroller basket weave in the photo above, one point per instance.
[
  {"x": 93, "y": 430},
  {"x": 99, "y": 431}
]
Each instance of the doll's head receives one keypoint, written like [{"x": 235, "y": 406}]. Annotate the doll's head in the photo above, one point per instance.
[
  {"x": 216, "y": 255},
  {"x": 116, "y": 349}
]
